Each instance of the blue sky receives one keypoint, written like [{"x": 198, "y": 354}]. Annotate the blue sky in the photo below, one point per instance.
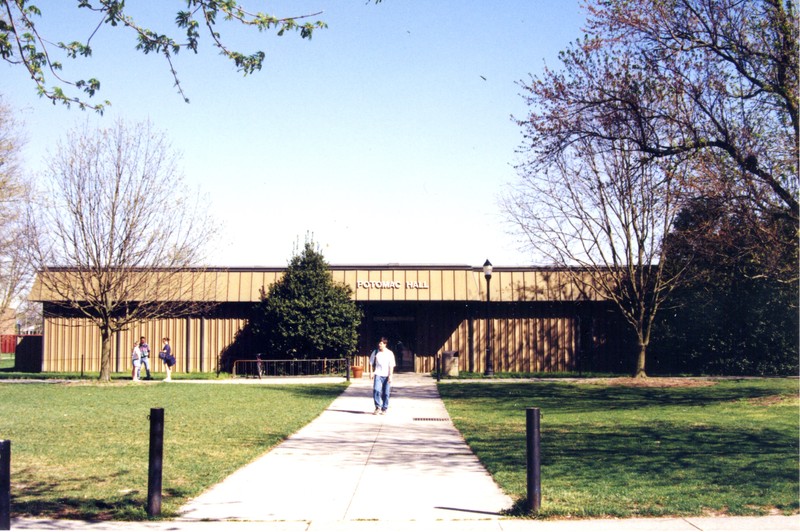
[{"x": 388, "y": 136}]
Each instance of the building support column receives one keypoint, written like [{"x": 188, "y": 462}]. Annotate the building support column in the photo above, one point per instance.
[
  {"x": 187, "y": 345},
  {"x": 117, "y": 357},
  {"x": 202, "y": 346}
]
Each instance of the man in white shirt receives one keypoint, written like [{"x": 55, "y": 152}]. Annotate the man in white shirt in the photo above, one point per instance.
[{"x": 383, "y": 363}]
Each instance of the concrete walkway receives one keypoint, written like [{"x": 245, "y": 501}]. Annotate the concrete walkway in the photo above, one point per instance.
[
  {"x": 351, "y": 471},
  {"x": 350, "y": 465}
]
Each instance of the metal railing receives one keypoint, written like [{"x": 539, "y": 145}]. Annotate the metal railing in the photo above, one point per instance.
[{"x": 290, "y": 368}]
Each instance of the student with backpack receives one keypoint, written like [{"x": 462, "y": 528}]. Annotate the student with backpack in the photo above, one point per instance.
[{"x": 166, "y": 356}]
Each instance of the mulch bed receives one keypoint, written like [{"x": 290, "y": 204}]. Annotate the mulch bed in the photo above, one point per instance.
[{"x": 656, "y": 382}]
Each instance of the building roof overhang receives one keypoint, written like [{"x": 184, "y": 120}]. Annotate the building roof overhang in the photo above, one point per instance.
[{"x": 376, "y": 282}]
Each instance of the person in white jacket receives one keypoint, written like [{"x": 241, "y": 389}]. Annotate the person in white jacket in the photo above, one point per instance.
[
  {"x": 136, "y": 360},
  {"x": 383, "y": 363}
]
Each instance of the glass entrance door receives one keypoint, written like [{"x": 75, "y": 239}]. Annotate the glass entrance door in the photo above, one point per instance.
[{"x": 402, "y": 334}]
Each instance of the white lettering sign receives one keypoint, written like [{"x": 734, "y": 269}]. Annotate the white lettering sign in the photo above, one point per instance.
[{"x": 383, "y": 285}]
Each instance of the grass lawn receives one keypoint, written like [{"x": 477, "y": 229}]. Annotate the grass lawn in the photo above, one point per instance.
[
  {"x": 9, "y": 373},
  {"x": 609, "y": 449},
  {"x": 80, "y": 450},
  {"x": 6, "y": 361}
]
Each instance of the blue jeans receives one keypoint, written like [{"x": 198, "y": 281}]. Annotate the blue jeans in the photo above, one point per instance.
[
  {"x": 146, "y": 364},
  {"x": 381, "y": 389}
]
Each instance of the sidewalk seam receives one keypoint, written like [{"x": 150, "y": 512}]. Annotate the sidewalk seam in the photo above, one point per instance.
[
  {"x": 686, "y": 520},
  {"x": 363, "y": 470}
]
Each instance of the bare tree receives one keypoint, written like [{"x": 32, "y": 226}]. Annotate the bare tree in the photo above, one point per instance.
[
  {"x": 715, "y": 81},
  {"x": 120, "y": 238},
  {"x": 602, "y": 212},
  {"x": 14, "y": 193},
  {"x": 29, "y": 317}
]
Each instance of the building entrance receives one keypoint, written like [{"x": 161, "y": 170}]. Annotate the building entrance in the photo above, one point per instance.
[{"x": 402, "y": 334}]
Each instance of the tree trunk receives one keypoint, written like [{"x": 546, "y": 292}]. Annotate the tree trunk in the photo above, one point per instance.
[
  {"x": 105, "y": 355},
  {"x": 640, "y": 359}
]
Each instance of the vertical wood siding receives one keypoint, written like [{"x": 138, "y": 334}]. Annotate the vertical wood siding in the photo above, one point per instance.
[
  {"x": 74, "y": 345},
  {"x": 524, "y": 339},
  {"x": 540, "y": 322},
  {"x": 71, "y": 345},
  {"x": 518, "y": 343},
  {"x": 538, "y": 344}
]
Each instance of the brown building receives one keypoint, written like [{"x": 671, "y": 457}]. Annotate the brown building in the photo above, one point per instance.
[{"x": 538, "y": 318}]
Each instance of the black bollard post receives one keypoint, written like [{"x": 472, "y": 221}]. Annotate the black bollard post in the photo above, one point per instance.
[
  {"x": 5, "y": 485},
  {"x": 156, "y": 462},
  {"x": 534, "y": 460}
]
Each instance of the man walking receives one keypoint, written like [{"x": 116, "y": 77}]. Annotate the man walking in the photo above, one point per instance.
[
  {"x": 383, "y": 364},
  {"x": 144, "y": 349}
]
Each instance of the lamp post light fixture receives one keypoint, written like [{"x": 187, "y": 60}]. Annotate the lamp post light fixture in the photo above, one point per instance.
[{"x": 487, "y": 272}]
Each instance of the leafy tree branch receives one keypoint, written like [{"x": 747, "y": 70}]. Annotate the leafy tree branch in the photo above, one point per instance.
[{"x": 21, "y": 42}]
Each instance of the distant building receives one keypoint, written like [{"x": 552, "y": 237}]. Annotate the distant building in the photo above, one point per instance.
[
  {"x": 8, "y": 322},
  {"x": 540, "y": 321}
]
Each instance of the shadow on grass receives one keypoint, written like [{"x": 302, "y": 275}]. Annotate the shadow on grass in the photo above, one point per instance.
[
  {"x": 756, "y": 459},
  {"x": 210, "y": 430},
  {"x": 42, "y": 499},
  {"x": 567, "y": 398},
  {"x": 636, "y": 451},
  {"x": 726, "y": 470}
]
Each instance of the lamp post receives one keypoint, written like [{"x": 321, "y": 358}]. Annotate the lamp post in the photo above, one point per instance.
[{"x": 487, "y": 272}]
